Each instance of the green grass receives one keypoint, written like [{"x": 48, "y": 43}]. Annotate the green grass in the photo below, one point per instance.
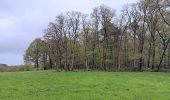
[{"x": 52, "y": 85}]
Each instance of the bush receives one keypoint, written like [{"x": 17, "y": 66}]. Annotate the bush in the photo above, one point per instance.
[
  {"x": 26, "y": 67},
  {"x": 2, "y": 69}
]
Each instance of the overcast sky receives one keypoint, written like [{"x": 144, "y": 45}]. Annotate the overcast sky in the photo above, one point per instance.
[{"x": 21, "y": 21}]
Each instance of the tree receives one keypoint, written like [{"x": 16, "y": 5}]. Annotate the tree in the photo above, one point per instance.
[
  {"x": 33, "y": 53},
  {"x": 137, "y": 40}
]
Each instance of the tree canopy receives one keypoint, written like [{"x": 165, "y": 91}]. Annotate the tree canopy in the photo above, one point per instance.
[{"x": 137, "y": 40}]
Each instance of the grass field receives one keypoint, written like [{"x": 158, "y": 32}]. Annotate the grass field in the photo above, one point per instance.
[{"x": 52, "y": 85}]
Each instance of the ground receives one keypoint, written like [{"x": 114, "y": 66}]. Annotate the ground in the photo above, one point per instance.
[{"x": 52, "y": 85}]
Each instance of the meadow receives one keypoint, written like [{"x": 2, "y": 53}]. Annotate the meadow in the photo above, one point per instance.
[{"x": 52, "y": 85}]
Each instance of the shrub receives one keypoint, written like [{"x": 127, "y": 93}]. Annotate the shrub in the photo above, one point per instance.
[
  {"x": 2, "y": 69},
  {"x": 26, "y": 67}
]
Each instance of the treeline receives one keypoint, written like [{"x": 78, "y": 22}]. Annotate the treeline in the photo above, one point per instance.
[
  {"x": 137, "y": 40},
  {"x": 26, "y": 67}
]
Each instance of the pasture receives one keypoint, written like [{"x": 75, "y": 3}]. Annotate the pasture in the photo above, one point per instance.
[{"x": 52, "y": 85}]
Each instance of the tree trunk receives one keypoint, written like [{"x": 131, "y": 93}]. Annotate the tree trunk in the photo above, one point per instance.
[
  {"x": 153, "y": 56},
  {"x": 168, "y": 56},
  {"x": 163, "y": 54},
  {"x": 37, "y": 64},
  {"x": 149, "y": 56}
]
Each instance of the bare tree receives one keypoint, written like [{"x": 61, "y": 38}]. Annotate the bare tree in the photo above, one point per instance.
[
  {"x": 74, "y": 19},
  {"x": 86, "y": 30}
]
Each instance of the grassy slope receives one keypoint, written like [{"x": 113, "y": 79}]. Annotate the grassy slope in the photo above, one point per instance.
[{"x": 51, "y": 85}]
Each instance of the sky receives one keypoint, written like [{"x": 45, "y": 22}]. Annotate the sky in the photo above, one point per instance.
[{"x": 21, "y": 21}]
